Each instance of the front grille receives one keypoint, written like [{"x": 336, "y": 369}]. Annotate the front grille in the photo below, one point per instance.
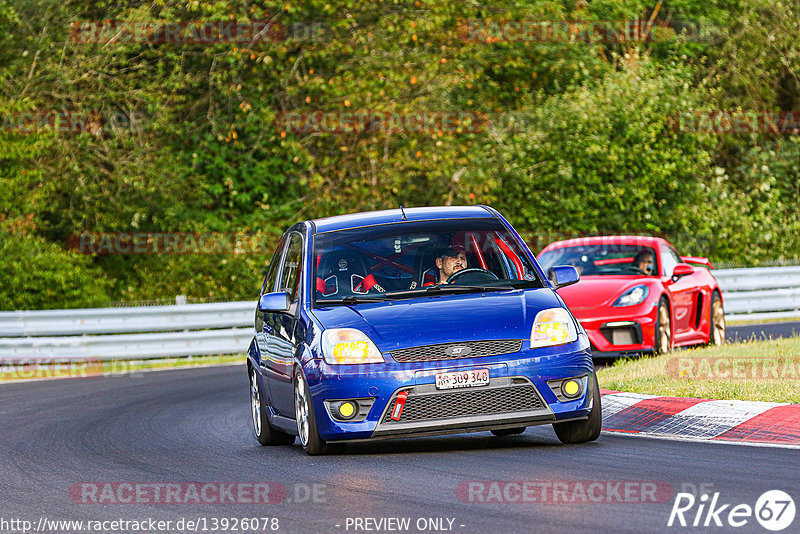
[
  {"x": 467, "y": 402},
  {"x": 477, "y": 349}
]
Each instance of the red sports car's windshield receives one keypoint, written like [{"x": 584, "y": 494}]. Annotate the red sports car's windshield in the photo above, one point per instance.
[
  {"x": 412, "y": 256},
  {"x": 603, "y": 259}
]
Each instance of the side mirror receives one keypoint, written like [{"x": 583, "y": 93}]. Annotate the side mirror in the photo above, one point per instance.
[
  {"x": 681, "y": 270},
  {"x": 274, "y": 302},
  {"x": 563, "y": 275}
]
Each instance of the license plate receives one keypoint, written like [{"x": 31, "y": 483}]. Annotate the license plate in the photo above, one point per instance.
[{"x": 462, "y": 379}]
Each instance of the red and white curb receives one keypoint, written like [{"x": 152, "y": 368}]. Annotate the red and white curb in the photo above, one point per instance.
[{"x": 772, "y": 423}]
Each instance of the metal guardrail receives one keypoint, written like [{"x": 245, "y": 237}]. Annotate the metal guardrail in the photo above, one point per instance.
[
  {"x": 126, "y": 320},
  {"x": 122, "y": 333},
  {"x": 202, "y": 342},
  {"x": 759, "y": 294}
]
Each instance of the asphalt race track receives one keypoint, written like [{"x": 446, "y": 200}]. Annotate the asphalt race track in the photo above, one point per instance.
[
  {"x": 761, "y": 331},
  {"x": 193, "y": 425}
]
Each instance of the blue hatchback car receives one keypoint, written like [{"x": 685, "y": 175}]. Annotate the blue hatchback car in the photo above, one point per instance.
[{"x": 415, "y": 322}]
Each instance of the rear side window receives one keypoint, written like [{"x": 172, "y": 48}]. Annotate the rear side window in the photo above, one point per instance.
[{"x": 292, "y": 265}]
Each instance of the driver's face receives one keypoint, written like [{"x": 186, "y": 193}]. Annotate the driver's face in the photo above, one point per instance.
[
  {"x": 647, "y": 264},
  {"x": 450, "y": 264}
]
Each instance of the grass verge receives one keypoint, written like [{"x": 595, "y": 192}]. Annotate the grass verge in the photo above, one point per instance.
[
  {"x": 18, "y": 370},
  {"x": 753, "y": 370}
]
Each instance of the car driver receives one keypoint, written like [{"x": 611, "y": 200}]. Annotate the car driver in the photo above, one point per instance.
[
  {"x": 450, "y": 260},
  {"x": 645, "y": 262}
]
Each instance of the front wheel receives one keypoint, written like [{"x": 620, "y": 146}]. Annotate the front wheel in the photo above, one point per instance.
[
  {"x": 716, "y": 334},
  {"x": 265, "y": 434},
  {"x": 583, "y": 431},
  {"x": 663, "y": 330},
  {"x": 306, "y": 421}
]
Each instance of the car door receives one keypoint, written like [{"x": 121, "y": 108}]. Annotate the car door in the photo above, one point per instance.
[
  {"x": 681, "y": 295},
  {"x": 283, "y": 341},
  {"x": 264, "y": 323}
]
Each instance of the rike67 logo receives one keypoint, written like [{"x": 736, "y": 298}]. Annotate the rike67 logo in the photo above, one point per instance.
[{"x": 774, "y": 510}]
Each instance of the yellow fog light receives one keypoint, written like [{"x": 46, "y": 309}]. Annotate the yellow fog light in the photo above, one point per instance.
[
  {"x": 347, "y": 410},
  {"x": 570, "y": 388}
]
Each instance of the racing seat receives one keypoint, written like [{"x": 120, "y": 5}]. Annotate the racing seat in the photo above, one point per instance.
[
  {"x": 343, "y": 272},
  {"x": 425, "y": 267}
]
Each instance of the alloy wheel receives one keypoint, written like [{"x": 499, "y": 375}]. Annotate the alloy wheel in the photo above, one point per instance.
[
  {"x": 718, "y": 324},
  {"x": 301, "y": 408},
  {"x": 255, "y": 403},
  {"x": 664, "y": 329}
]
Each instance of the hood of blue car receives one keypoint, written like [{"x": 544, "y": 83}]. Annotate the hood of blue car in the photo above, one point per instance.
[{"x": 443, "y": 318}]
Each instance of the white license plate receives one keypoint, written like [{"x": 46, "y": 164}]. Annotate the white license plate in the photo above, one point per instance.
[{"x": 462, "y": 379}]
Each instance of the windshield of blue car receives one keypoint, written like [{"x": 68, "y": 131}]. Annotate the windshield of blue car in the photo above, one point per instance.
[
  {"x": 603, "y": 259},
  {"x": 403, "y": 260}
]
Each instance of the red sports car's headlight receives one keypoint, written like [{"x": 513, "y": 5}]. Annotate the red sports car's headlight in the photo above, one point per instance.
[{"x": 633, "y": 296}]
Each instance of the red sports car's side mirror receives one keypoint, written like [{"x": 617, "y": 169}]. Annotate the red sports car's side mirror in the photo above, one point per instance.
[{"x": 681, "y": 270}]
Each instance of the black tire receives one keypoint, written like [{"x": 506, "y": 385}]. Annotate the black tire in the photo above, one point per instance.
[
  {"x": 583, "y": 431},
  {"x": 508, "y": 431},
  {"x": 663, "y": 329},
  {"x": 716, "y": 334},
  {"x": 265, "y": 433},
  {"x": 312, "y": 443}
]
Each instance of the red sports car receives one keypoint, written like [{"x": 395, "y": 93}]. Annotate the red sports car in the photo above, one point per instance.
[{"x": 637, "y": 295}]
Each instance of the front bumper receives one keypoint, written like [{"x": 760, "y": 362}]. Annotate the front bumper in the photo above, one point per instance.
[
  {"x": 620, "y": 331},
  {"x": 518, "y": 393}
]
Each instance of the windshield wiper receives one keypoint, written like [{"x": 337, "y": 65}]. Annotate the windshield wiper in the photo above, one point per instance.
[
  {"x": 352, "y": 299},
  {"x": 445, "y": 289}
]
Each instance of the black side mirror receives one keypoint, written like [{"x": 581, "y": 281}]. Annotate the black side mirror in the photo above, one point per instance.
[{"x": 563, "y": 275}]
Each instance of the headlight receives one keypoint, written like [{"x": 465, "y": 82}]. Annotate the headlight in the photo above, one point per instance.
[
  {"x": 634, "y": 295},
  {"x": 553, "y": 326},
  {"x": 342, "y": 346}
]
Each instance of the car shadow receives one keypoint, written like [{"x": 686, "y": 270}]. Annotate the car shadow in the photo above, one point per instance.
[{"x": 482, "y": 441}]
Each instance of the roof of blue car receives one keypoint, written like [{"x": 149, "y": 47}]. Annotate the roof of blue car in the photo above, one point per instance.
[{"x": 370, "y": 218}]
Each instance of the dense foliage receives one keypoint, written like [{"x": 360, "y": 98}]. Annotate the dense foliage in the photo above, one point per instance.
[{"x": 581, "y": 140}]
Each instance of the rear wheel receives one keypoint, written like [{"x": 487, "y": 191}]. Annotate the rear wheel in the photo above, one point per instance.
[
  {"x": 663, "y": 330},
  {"x": 508, "y": 431},
  {"x": 265, "y": 434},
  {"x": 583, "y": 431},
  {"x": 716, "y": 335}
]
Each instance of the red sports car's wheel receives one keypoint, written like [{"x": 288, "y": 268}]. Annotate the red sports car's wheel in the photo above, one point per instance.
[
  {"x": 663, "y": 330},
  {"x": 717, "y": 323}
]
